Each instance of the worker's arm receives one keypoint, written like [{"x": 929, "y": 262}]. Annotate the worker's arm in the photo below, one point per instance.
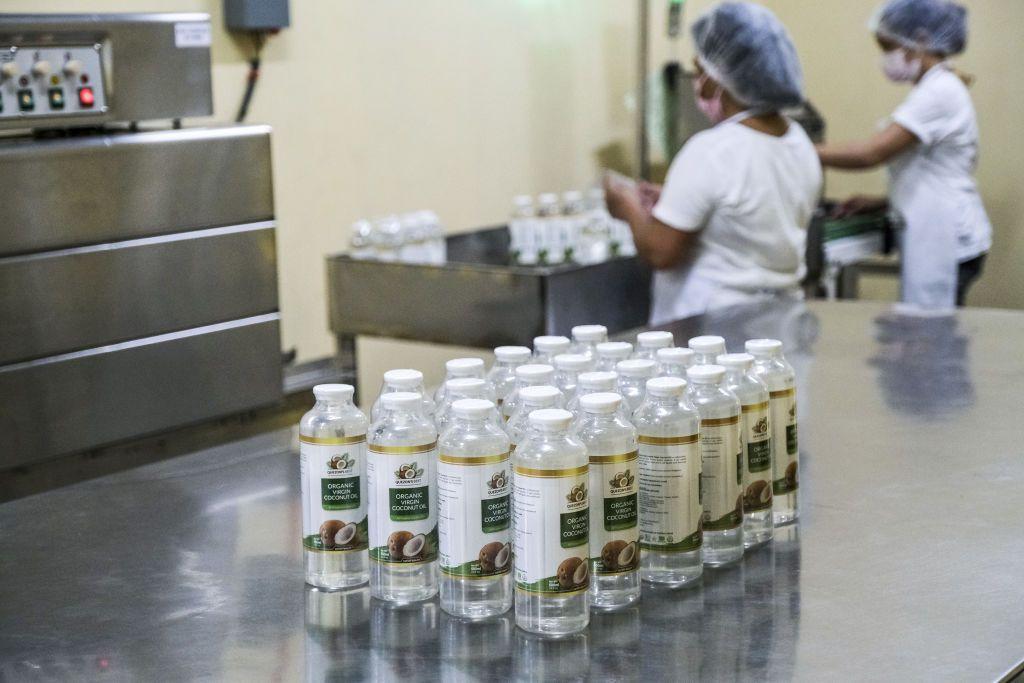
[
  {"x": 658, "y": 244},
  {"x": 875, "y": 151}
]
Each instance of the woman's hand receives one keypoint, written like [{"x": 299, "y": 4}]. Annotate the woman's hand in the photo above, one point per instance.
[
  {"x": 650, "y": 193},
  {"x": 859, "y": 204},
  {"x": 622, "y": 196}
]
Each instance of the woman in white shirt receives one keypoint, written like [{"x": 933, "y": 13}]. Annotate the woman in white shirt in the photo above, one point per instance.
[
  {"x": 729, "y": 225},
  {"x": 931, "y": 148}
]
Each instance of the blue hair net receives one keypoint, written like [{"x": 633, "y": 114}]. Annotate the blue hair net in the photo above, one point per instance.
[
  {"x": 748, "y": 51},
  {"x": 938, "y": 26}
]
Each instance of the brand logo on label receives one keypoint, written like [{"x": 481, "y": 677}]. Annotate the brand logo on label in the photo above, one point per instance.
[
  {"x": 577, "y": 496},
  {"x": 760, "y": 427},
  {"x": 409, "y": 473},
  {"x": 497, "y": 481},
  {"x": 341, "y": 462},
  {"x": 621, "y": 481}
]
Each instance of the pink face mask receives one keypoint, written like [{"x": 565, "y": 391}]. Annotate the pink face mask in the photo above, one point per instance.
[{"x": 710, "y": 107}]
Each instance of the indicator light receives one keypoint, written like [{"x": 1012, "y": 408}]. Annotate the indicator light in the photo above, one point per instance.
[
  {"x": 25, "y": 100},
  {"x": 56, "y": 98},
  {"x": 86, "y": 98}
]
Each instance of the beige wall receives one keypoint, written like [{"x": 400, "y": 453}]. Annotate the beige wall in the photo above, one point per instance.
[{"x": 456, "y": 105}]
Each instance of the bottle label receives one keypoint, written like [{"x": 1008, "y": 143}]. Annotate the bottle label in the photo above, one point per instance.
[
  {"x": 474, "y": 518},
  {"x": 721, "y": 473},
  {"x": 333, "y": 493},
  {"x": 670, "y": 508},
  {"x": 614, "y": 524},
  {"x": 784, "y": 464},
  {"x": 403, "y": 526},
  {"x": 552, "y": 525},
  {"x": 757, "y": 465}
]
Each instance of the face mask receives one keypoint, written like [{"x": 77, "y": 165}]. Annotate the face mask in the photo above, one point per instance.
[
  {"x": 898, "y": 68},
  {"x": 710, "y": 107}
]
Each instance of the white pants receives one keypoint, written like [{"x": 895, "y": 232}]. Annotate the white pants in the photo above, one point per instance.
[{"x": 699, "y": 295}]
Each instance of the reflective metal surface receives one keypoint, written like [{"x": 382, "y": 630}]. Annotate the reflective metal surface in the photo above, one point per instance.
[
  {"x": 100, "y": 188},
  {"x": 906, "y": 563},
  {"x": 146, "y": 73},
  {"x": 477, "y": 299}
]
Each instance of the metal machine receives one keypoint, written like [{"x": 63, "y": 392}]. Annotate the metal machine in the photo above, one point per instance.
[{"x": 138, "y": 285}]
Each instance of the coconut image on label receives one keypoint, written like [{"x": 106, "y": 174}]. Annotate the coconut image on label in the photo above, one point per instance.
[
  {"x": 572, "y": 573},
  {"x": 335, "y": 533},
  {"x": 494, "y": 556},
  {"x": 757, "y": 496},
  {"x": 618, "y": 555}
]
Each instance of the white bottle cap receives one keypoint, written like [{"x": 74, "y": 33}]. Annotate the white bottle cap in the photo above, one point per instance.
[
  {"x": 598, "y": 381},
  {"x": 601, "y": 404},
  {"x": 675, "y": 355},
  {"x": 466, "y": 386},
  {"x": 666, "y": 386},
  {"x": 472, "y": 408},
  {"x": 402, "y": 400},
  {"x": 541, "y": 396},
  {"x": 705, "y": 374},
  {"x": 615, "y": 350},
  {"x": 403, "y": 378},
  {"x": 333, "y": 392},
  {"x": 550, "y": 420},
  {"x": 637, "y": 367},
  {"x": 522, "y": 200},
  {"x": 512, "y": 354},
  {"x": 707, "y": 344},
  {"x": 464, "y": 367},
  {"x": 572, "y": 196},
  {"x": 655, "y": 339},
  {"x": 763, "y": 348},
  {"x": 536, "y": 373},
  {"x": 547, "y": 198},
  {"x": 590, "y": 333},
  {"x": 550, "y": 344},
  {"x": 743, "y": 361},
  {"x": 573, "y": 362}
]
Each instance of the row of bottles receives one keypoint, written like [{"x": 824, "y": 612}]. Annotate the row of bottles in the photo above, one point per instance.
[
  {"x": 567, "y": 482},
  {"x": 576, "y": 228},
  {"x": 415, "y": 237}
]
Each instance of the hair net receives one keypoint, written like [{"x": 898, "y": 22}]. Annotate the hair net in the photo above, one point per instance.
[
  {"x": 748, "y": 51},
  {"x": 938, "y": 26}
]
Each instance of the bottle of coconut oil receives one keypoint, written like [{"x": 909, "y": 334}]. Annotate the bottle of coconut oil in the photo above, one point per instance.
[
  {"x": 474, "y": 516},
  {"x": 402, "y": 487},
  {"x": 670, "y": 464},
  {"x": 551, "y": 528},
  {"x": 755, "y": 444},
  {"x": 614, "y": 491},
  {"x": 721, "y": 472},
  {"x": 332, "y": 447},
  {"x": 771, "y": 366}
]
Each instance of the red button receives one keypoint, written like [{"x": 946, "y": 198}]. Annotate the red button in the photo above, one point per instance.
[{"x": 86, "y": 97}]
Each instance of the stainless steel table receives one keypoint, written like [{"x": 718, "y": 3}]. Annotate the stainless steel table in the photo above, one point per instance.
[{"x": 907, "y": 563}]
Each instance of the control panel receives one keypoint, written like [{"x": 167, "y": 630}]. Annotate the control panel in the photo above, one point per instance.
[{"x": 51, "y": 81}]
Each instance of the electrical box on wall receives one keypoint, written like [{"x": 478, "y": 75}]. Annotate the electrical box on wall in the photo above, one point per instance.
[{"x": 256, "y": 15}]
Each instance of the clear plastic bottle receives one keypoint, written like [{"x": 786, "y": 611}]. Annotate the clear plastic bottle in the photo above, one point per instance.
[
  {"x": 522, "y": 241},
  {"x": 403, "y": 379},
  {"x": 706, "y": 349},
  {"x": 474, "y": 516},
  {"x": 591, "y": 383},
  {"x": 673, "y": 361},
  {"x": 755, "y": 445},
  {"x": 433, "y": 235},
  {"x": 332, "y": 447},
  {"x": 460, "y": 367},
  {"x": 597, "y": 230},
  {"x": 610, "y": 353},
  {"x": 648, "y": 343},
  {"x": 530, "y": 399},
  {"x": 402, "y": 487},
  {"x": 531, "y": 375},
  {"x": 573, "y": 219},
  {"x": 721, "y": 472},
  {"x": 545, "y": 348},
  {"x": 455, "y": 389},
  {"x": 568, "y": 367},
  {"x": 670, "y": 464},
  {"x": 771, "y": 366},
  {"x": 551, "y": 530},
  {"x": 502, "y": 374},
  {"x": 585, "y": 339},
  {"x": 415, "y": 247},
  {"x": 614, "y": 494},
  {"x": 550, "y": 249},
  {"x": 387, "y": 238},
  {"x": 361, "y": 240},
  {"x": 633, "y": 376}
]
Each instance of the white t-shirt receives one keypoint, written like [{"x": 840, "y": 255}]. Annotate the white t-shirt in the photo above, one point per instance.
[
  {"x": 751, "y": 195},
  {"x": 941, "y": 168}
]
